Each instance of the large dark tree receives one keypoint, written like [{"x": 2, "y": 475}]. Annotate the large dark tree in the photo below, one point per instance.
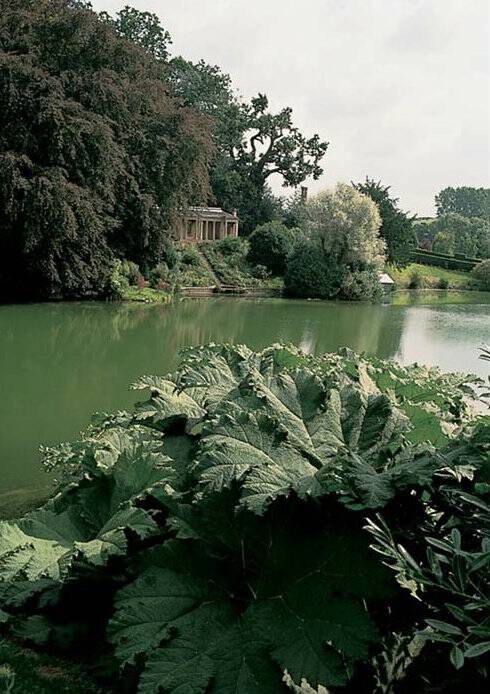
[
  {"x": 255, "y": 145},
  {"x": 95, "y": 154},
  {"x": 466, "y": 201},
  {"x": 203, "y": 87},
  {"x": 141, "y": 28},
  {"x": 252, "y": 143},
  {"x": 396, "y": 226}
]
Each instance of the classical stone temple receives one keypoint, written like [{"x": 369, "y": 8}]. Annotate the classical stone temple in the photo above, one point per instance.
[{"x": 202, "y": 224}]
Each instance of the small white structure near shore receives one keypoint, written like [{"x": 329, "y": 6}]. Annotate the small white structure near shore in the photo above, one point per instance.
[{"x": 386, "y": 282}]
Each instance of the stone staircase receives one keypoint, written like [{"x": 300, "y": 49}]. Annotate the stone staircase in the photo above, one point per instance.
[{"x": 217, "y": 282}]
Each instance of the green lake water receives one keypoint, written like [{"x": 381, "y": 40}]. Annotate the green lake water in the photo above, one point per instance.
[{"x": 61, "y": 362}]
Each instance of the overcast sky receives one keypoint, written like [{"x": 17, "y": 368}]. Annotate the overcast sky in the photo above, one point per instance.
[{"x": 400, "y": 88}]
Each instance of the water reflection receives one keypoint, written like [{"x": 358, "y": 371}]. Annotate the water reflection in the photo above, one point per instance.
[{"x": 446, "y": 335}]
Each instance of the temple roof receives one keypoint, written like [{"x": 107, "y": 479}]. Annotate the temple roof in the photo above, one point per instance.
[{"x": 212, "y": 213}]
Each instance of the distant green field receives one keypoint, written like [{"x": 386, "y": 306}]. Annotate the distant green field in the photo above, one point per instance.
[{"x": 432, "y": 276}]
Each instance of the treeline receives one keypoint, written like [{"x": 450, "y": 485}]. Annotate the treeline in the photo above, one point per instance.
[
  {"x": 462, "y": 225},
  {"x": 103, "y": 137},
  {"x": 332, "y": 245},
  {"x": 96, "y": 152}
]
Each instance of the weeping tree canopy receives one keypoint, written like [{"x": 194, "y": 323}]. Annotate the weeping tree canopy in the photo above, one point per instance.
[{"x": 95, "y": 151}]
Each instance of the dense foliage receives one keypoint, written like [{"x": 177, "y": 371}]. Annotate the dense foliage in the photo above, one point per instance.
[
  {"x": 396, "y": 226},
  {"x": 141, "y": 28},
  {"x": 455, "y": 234},
  {"x": 229, "y": 259},
  {"x": 270, "y": 245},
  {"x": 252, "y": 143},
  {"x": 447, "y": 565},
  {"x": 361, "y": 285},
  {"x": 95, "y": 153},
  {"x": 213, "y": 537},
  {"x": 345, "y": 224},
  {"x": 310, "y": 274},
  {"x": 466, "y": 201},
  {"x": 341, "y": 251},
  {"x": 482, "y": 273}
]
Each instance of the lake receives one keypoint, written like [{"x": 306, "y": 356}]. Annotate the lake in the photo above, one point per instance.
[{"x": 61, "y": 362}]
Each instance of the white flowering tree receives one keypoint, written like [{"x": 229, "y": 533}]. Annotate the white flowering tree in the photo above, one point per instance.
[{"x": 346, "y": 224}]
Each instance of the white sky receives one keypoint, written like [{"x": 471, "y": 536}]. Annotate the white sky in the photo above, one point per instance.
[{"x": 400, "y": 88}]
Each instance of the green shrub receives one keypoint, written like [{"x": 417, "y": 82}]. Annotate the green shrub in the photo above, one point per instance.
[
  {"x": 130, "y": 271},
  {"x": 481, "y": 272},
  {"x": 159, "y": 274},
  {"x": 169, "y": 255},
  {"x": 117, "y": 282},
  {"x": 190, "y": 256},
  {"x": 231, "y": 246},
  {"x": 416, "y": 281},
  {"x": 261, "y": 272},
  {"x": 361, "y": 285},
  {"x": 443, "y": 283},
  {"x": 310, "y": 275},
  {"x": 447, "y": 566},
  {"x": 213, "y": 536},
  {"x": 270, "y": 245},
  {"x": 231, "y": 268}
]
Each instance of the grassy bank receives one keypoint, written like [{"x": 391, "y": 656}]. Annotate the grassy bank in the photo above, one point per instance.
[
  {"x": 432, "y": 277},
  {"x": 147, "y": 295}
]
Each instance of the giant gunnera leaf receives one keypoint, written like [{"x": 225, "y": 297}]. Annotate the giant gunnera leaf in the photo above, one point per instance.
[
  {"x": 212, "y": 536},
  {"x": 205, "y": 624},
  {"x": 288, "y": 432},
  {"x": 91, "y": 518}
]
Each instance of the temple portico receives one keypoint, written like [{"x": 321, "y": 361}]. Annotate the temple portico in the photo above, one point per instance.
[{"x": 204, "y": 224}]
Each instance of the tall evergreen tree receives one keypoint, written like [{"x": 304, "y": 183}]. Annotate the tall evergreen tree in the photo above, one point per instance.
[{"x": 396, "y": 225}]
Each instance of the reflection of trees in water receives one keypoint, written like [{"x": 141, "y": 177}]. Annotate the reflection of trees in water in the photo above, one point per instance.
[
  {"x": 87, "y": 345},
  {"x": 61, "y": 362},
  {"x": 314, "y": 326},
  {"x": 473, "y": 321}
]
